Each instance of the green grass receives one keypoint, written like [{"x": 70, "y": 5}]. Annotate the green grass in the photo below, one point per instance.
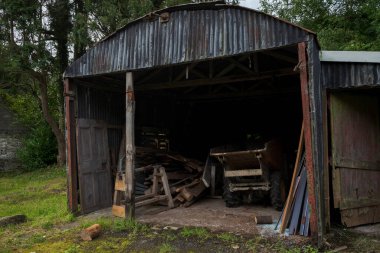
[
  {"x": 198, "y": 232},
  {"x": 166, "y": 248},
  {"x": 40, "y": 195},
  {"x": 116, "y": 225},
  {"x": 227, "y": 237}
]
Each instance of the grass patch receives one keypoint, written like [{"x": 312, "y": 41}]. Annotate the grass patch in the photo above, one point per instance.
[
  {"x": 166, "y": 248},
  {"x": 253, "y": 245},
  {"x": 40, "y": 195},
  {"x": 198, "y": 232},
  {"x": 117, "y": 225},
  {"x": 227, "y": 237}
]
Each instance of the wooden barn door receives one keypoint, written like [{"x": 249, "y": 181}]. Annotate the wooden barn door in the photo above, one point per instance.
[
  {"x": 355, "y": 134},
  {"x": 93, "y": 165}
]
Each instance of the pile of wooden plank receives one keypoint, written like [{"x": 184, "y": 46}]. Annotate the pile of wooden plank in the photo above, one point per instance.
[
  {"x": 183, "y": 174},
  {"x": 295, "y": 218}
]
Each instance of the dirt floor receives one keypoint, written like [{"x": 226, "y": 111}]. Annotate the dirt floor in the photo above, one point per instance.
[{"x": 208, "y": 213}]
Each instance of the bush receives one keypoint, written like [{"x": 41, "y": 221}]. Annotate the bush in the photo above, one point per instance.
[{"x": 39, "y": 148}]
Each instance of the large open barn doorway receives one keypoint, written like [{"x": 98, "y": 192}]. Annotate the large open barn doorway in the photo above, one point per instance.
[
  {"x": 185, "y": 115},
  {"x": 236, "y": 103}
]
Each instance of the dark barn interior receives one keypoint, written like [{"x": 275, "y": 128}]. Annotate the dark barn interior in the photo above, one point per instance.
[{"x": 204, "y": 105}]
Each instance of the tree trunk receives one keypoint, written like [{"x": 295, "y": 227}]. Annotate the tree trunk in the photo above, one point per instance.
[
  {"x": 61, "y": 159},
  {"x": 61, "y": 27},
  {"x": 80, "y": 44}
]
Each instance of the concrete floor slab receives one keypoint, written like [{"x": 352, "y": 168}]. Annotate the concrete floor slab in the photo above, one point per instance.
[
  {"x": 214, "y": 215},
  {"x": 208, "y": 213}
]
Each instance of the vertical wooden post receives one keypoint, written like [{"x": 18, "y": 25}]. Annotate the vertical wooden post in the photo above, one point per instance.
[
  {"x": 308, "y": 138},
  {"x": 129, "y": 147},
  {"x": 71, "y": 162},
  {"x": 326, "y": 175}
]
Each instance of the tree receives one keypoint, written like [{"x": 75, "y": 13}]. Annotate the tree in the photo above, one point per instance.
[
  {"x": 29, "y": 65},
  {"x": 36, "y": 38},
  {"x": 340, "y": 25}
]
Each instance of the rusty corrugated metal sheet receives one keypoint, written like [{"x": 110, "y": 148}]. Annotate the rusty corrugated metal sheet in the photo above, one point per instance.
[
  {"x": 103, "y": 105},
  {"x": 350, "y": 74},
  {"x": 315, "y": 110},
  {"x": 100, "y": 105},
  {"x": 194, "y": 32}
]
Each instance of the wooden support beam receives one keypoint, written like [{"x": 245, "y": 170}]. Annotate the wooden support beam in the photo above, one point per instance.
[
  {"x": 240, "y": 66},
  {"x": 282, "y": 57},
  {"x": 230, "y": 67},
  {"x": 186, "y": 70},
  {"x": 256, "y": 63},
  {"x": 150, "y": 76},
  {"x": 198, "y": 73},
  {"x": 219, "y": 80},
  {"x": 111, "y": 79},
  {"x": 71, "y": 159},
  {"x": 129, "y": 147},
  {"x": 308, "y": 137},
  {"x": 210, "y": 69},
  {"x": 225, "y": 70},
  {"x": 326, "y": 174}
]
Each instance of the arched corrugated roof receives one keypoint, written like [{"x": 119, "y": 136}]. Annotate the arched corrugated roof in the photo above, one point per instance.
[{"x": 193, "y": 32}]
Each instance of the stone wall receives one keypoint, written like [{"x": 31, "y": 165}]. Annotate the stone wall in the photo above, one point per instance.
[{"x": 10, "y": 136}]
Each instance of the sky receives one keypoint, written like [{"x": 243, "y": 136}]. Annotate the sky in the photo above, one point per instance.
[{"x": 253, "y": 4}]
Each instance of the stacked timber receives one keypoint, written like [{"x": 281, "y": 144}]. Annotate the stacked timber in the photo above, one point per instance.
[
  {"x": 295, "y": 218},
  {"x": 183, "y": 175}
]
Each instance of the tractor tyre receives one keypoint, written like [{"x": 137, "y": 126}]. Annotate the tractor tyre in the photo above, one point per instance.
[{"x": 231, "y": 199}]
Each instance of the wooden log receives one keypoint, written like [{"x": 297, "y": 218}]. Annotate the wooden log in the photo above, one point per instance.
[
  {"x": 179, "y": 198},
  {"x": 264, "y": 219},
  {"x": 118, "y": 211},
  {"x": 90, "y": 233},
  {"x": 196, "y": 181},
  {"x": 183, "y": 180},
  {"x": 177, "y": 175},
  {"x": 189, "y": 203},
  {"x": 186, "y": 194},
  {"x": 166, "y": 187},
  {"x": 14, "y": 219},
  {"x": 197, "y": 189},
  {"x": 153, "y": 200}
]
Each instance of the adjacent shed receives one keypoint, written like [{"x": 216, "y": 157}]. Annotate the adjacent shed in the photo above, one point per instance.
[
  {"x": 210, "y": 73},
  {"x": 352, "y": 81}
]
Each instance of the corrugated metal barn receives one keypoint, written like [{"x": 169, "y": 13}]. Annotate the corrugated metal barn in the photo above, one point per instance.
[{"x": 210, "y": 73}]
